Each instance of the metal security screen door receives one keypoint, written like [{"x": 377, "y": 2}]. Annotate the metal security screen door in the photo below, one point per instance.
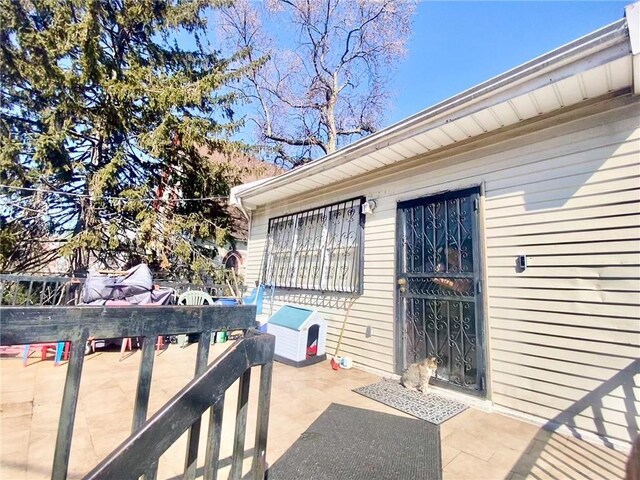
[{"x": 439, "y": 308}]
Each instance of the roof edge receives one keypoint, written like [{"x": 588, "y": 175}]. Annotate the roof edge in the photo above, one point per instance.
[{"x": 596, "y": 41}]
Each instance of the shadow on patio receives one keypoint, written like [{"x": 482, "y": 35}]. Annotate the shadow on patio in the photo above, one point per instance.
[
  {"x": 475, "y": 444},
  {"x": 551, "y": 455}
]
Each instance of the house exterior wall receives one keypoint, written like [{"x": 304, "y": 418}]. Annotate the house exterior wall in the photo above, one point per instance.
[{"x": 563, "y": 337}]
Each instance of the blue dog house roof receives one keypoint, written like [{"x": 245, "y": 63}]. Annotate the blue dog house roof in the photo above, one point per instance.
[{"x": 291, "y": 317}]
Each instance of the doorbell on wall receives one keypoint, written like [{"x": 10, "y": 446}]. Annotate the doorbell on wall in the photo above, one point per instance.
[{"x": 522, "y": 263}]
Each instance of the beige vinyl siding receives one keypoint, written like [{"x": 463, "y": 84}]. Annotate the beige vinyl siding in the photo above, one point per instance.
[
  {"x": 563, "y": 334},
  {"x": 374, "y": 308}
]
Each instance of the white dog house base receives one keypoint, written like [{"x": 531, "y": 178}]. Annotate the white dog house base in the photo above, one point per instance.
[{"x": 301, "y": 336}]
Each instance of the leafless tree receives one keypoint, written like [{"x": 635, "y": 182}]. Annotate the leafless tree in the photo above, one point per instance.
[{"x": 325, "y": 72}]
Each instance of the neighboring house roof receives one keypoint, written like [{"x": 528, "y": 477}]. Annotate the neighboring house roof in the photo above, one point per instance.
[
  {"x": 605, "y": 61},
  {"x": 249, "y": 170}
]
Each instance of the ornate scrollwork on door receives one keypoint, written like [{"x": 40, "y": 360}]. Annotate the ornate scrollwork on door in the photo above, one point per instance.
[{"x": 439, "y": 298}]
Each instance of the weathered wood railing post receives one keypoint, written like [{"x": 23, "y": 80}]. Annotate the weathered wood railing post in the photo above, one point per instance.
[
  {"x": 69, "y": 405},
  {"x": 259, "y": 465},
  {"x": 194, "y": 431}
]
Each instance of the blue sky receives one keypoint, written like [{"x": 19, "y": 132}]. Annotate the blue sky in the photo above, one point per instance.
[{"x": 456, "y": 45}]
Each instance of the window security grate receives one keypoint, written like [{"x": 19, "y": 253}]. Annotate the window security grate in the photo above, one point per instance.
[{"x": 318, "y": 249}]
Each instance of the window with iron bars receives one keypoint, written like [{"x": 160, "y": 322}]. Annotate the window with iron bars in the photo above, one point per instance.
[{"x": 318, "y": 249}]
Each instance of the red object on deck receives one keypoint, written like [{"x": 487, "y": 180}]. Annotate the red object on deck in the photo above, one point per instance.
[
  {"x": 335, "y": 365},
  {"x": 57, "y": 348}
]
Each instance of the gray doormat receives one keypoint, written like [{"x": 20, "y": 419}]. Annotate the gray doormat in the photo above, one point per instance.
[
  {"x": 353, "y": 443},
  {"x": 431, "y": 407}
]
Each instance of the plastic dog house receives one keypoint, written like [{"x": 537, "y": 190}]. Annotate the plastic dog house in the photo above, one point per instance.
[{"x": 301, "y": 336}]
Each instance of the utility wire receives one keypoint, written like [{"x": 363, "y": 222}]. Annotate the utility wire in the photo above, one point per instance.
[{"x": 107, "y": 197}]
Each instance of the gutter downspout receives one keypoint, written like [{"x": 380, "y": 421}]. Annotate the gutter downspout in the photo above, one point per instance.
[
  {"x": 249, "y": 216},
  {"x": 237, "y": 202},
  {"x": 632, "y": 15},
  {"x": 247, "y": 212}
]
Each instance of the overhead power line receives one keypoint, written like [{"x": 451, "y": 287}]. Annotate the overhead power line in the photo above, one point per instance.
[{"x": 108, "y": 197}]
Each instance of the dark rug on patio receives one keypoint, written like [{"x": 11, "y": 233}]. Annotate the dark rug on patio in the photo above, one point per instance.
[
  {"x": 347, "y": 443},
  {"x": 431, "y": 407}
]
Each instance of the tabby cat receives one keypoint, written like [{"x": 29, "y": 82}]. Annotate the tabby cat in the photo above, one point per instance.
[{"x": 417, "y": 376}]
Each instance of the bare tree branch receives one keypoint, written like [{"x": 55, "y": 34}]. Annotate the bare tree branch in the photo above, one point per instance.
[{"x": 331, "y": 86}]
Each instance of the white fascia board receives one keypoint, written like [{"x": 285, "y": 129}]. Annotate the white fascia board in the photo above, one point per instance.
[
  {"x": 236, "y": 198},
  {"x": 236, "y": 192},
  {"x": 597, "y": 48}
]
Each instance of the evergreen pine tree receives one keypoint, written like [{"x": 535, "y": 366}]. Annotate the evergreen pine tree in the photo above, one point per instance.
[{"x": 105, "y": 106}]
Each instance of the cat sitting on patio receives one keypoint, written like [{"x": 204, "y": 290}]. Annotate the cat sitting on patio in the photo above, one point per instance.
[{"x": 417, "y": 376}]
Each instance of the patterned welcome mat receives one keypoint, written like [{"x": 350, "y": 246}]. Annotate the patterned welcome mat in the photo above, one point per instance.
[{"x": 431, "y": 407}]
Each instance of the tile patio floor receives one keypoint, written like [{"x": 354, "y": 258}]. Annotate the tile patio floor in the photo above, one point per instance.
[{"x": 475, "y": 444}]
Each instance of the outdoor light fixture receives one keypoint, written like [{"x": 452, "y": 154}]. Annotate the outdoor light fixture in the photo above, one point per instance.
[{"x": 368, "y": 206}]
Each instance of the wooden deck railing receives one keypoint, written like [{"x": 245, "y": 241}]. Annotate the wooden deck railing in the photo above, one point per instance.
[
  {"x": 26, "y": 290},
  {"x": 38, "y": 290},
  {"x": 138, "y": 455}
]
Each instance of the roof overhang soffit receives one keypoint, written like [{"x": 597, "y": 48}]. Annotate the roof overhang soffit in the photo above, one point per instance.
[{"x": 592, "y": 66}]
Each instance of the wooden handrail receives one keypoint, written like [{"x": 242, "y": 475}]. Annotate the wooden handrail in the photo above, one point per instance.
[
  {"x": 21, "y": 325},
  {"x": 139, "y": 453}
]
